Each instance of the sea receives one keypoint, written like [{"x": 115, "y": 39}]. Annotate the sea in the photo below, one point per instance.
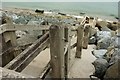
[{"x": 98, "y": 9}]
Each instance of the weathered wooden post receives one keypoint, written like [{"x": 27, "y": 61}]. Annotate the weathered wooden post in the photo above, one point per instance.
[
  {"x": 67, "y": 31},
  {"x": 80, "y": 31},
  {"x": 86, "y": 36},
  {"x": 57, "y": 51},
  {"x": 1, "y": 49}
]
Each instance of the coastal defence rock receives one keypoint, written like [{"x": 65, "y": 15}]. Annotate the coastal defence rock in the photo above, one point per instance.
[
  {"x": 39, "y": 11},
  {"x": 113, "y": 26},
  {"x": 5, "y": 19},
  {"x": 92, "y": 40},
  {"x": 115, "y": 41},
  {"x": 103, "y": 34},
  {"x": 104, "y": 43},
  {"x": 115, "y": 57},
  {"x": 21, "y": 20},
  {"x": 113, "y": 72},
  {"x": 99, "y": 53},
  {"x": 101, "y": 66},
  {"x": 33, "y": 23},
  {"x": 102, "y": 26}
]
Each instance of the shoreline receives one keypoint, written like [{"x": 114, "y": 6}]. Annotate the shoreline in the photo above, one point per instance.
[
  {"x": 29, "y": 10},
  {"x": 105, "y": 17}
]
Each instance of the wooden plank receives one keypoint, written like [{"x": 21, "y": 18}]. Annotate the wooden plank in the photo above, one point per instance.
[
  {"x": 79, "y": 41},
  {"x": 14, "y": 27},
  {"x": 86, "y": 36},
  {"x": 29, "y": 58},
  {"x": 22, "y": 56},
  {"x": 6, "y": 27},
  {"x": 57, "y": 51},
  {"x": 83, "y": 21}
]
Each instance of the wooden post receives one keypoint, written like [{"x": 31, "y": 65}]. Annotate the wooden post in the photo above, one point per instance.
[
  {"x": 86, "y": 36},
  {"x": 57, "y": 51},
  {"x": 67, "y": 55},
  {"x": 80, "y": 31},
  {"x": 43, "y": 32}
]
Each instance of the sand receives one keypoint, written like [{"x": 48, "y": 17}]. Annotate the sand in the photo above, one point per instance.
[{"x": 82, "y": 68}]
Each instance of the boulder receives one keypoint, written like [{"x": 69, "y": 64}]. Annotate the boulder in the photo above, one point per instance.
[
  {"x": 63, "y": 14},
  {"x": 113, "y": 72},
  {"x": 92, "y": 31},
  {"x": 101, "y": 66},
  {"x": 103, "y": 34},
  {"x": 21, "y": 20},
  {"x": 99, "y": 53},
  {"x": 113, "y": 26},
  {"x": 44, "y": 22},
  {"x": 104, "y": 43},
  {"x": 115, "y": 41},
  {"x": 39, "y": 11},
  {"x": 115, "y": 57},
  {"x": 102, "y": 26}
]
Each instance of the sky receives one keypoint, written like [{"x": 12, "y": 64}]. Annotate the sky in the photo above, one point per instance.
[{"x": 60, "y": 0}]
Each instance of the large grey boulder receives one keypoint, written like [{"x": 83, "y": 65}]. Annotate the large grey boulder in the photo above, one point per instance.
[
  {"x": 115, "y": 41},
  {"x": 101, "y": 66},
  {"x": 99, "y": 53},
  {"x": 103, "y": 34},
  {"x": 104, "y": 43},
  {"x": 113, "y": 72}
]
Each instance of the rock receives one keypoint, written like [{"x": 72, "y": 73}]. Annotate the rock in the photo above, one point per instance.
[
  {"x": 92, "y": 40},
  {"x": 92, "y": 31},
  {"x": 20, "y": 33},
  {"x": 115, "y": 41},
  {"x": 21, "y": 20},
  {"x": 62, "y": 14},
  {"x": 109, "y": 53},
  {"x": 104, "y": 43},
  {"x": 102, "y": 26},
  {"x": 113, "y": 26},
  {"x": 82, "y": 13},
  {"x": 5, "y": 18},
  {"x": 118, "y": 33},
  {"x": 115, "y": 57},
  {"x": 103, "y": 34},
  {"x": 105, "y": 29},
  {"x": 101, "y": 66},
  {"x": 33, "y": 23},
  {"x": 113, "y": 72},
  {"x": 39, "y": 11},
  {"x": 99, "y": 53},
  {"x": 44, "y": 22},
  {"x": 14, "y": 17}
]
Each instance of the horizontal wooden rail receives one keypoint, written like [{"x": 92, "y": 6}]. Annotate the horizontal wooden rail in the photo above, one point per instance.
[
  {"x": 27, "y": 52},
  {"x": 14, "y": 27}
]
